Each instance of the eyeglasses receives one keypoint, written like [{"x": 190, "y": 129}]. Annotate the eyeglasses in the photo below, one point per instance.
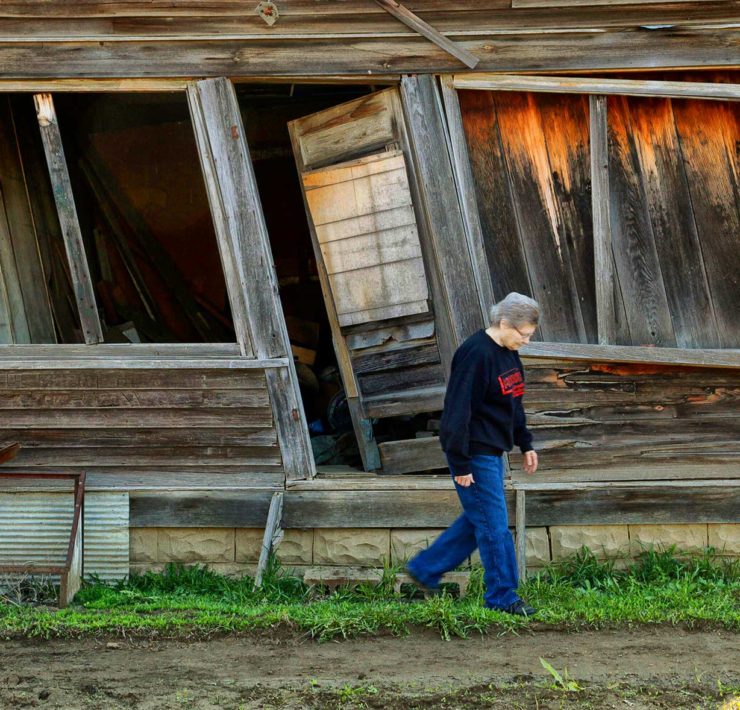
[{"x": 525, "y": 336}]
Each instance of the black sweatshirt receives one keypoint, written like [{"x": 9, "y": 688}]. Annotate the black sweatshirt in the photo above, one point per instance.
[{"x": 483, "y": 411}]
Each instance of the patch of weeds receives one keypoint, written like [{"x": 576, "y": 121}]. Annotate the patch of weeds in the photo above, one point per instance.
[
  {"x": 562, "y": 681},
  {"x": 353, "y": 693},
  {"x": 27, "y": 590},
  {"x": 578, "y": 592}
]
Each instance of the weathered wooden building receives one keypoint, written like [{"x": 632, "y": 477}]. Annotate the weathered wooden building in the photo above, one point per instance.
[{"x": 239, "y": 245}]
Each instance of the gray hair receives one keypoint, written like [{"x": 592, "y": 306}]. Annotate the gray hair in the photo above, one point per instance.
[{"x": 517, "y": 309}]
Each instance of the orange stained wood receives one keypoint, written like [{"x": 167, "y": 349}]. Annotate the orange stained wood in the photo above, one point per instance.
[{"x": 629, "y": 369}]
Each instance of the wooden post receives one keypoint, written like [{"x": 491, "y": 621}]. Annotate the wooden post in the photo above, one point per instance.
[
  {"x": 606, "y": 318},
  {"x": 247, "y": 259},
  {"x": 81, "y": 283},
  {"x": 459, "y": 309},
  {"x": 466, "y": 193},
  {"x": 272, "y": 536},
  {"x": 521, "y": 535}
]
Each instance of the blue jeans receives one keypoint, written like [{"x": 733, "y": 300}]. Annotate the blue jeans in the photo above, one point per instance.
[{"x": 484, "y": 524}]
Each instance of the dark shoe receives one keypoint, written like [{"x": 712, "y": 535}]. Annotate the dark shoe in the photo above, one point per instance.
[
  {"x": 424, "y": 587},
  {"x": 519, "y": 608}
]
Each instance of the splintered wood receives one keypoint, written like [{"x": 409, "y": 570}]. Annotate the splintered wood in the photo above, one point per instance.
[{"x": 367, "y": 233}]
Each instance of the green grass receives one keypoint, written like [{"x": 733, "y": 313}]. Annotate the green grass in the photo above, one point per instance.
[{"x": 580, "y": 592}]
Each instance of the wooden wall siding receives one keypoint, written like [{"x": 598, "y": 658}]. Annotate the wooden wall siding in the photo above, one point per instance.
[
  {"x": 151, "y": 420},
  {"x": 674, "y": 218},
  {"x": 438, "y": 507},
  {"x": 530, "y": 159},
  {"x": 220, "y": 37},
  {"x": 621, "y": 420},
  {"x": 366, "y": 228},
  {"x": 25, "y": 314}
]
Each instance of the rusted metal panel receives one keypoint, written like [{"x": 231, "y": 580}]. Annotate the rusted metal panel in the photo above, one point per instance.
[{"x": 35, "y": 529}]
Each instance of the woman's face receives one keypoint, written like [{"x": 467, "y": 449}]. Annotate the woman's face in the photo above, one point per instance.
[{"x": 513, "y": 337}]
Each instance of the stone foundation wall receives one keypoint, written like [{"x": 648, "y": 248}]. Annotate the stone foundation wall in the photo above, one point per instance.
[{"x": 232, "y": 551}]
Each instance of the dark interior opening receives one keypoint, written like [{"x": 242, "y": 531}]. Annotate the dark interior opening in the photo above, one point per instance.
[{"x": 144, "y": 216}]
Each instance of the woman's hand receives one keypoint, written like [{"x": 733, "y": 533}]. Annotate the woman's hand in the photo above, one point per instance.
[
  {"x": 530, "y": 462},
  {"x": 464, "y": 481}
]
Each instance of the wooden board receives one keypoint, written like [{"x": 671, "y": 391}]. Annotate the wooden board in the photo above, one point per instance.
[
  {"x": 530, "y": 161},
  {"x": 708, "y": 136},
  {"x": 67, "y": 212},
  {"x": 518, "y": 50},
  {"x": 432, "y": 508},
  {"x": 368, "y": 238},
  {"x": 500, "y": 233},
  {"x": 672, "y": 223},
  {"x": 445, "y": 239},
  {"x": 620, "y": 421},
  {"x": 412, "y": 455},
  {"x": 152, "y": 420}
]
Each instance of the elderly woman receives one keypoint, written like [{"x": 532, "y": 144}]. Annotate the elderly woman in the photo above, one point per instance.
[{"x": 483, "y": 417}]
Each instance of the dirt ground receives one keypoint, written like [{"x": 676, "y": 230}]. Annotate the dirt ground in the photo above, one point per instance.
[{"x": 641, "y": 668}]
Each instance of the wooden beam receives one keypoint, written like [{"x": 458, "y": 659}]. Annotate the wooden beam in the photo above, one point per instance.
[
  {"x": 516, "y": 4},
  {"x": 272, "y": 536},
  {"x": 521, "y": 534},
  {"x": 245, "y": 248},
  {"x": 615, "y": 87},
  {"x": 458, "y": 305},
  {"x": 412, "y": 455},
  {"x": 633, "y": 354},
  {"x": 606, "y": 314},
  {"x": 466, "y": 194},
  {"x": 426, "y": 30},
  {"x": 158, "y": 85},
  {"x": 621, "y": 48},
  {"x": 365, "y": 436},
  {"x": 433, "y": 508},
  {"x": 222, "y": 202},
  {"x": 81, "y": 282}
]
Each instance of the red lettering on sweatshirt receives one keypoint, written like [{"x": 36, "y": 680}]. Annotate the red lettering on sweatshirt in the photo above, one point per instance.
[{"x": 512, "y": 382}]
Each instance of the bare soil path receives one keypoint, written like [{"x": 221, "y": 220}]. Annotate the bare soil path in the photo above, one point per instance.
[{"x": 657, "y": 667}]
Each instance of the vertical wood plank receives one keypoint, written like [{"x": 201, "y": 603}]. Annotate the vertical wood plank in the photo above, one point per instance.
[
  {"x": 539, "y": 217},
  {"x": 271, "y": 536},
  {"x": 244, "y": 241},
  {"x": 709, "y": 134},
  {"x": 369, "y": 451},
  {"x": 507, "y": 263},
  {"x": 633, "y": 243},
  {"x": 606, "y": 316},
  {"x": 441, "y": 207},
  {"x": 19, "y": 191},
  {"x": 565, "y": 127},
  {"x": 227, "y": 244},
  {"x": 672, "y": 219},
  {"x": 13, "y": 325},
  {"x": 466, "y": 194},
  {"x": 521, "y": 535},
  {"x": 82, "y": 285}
]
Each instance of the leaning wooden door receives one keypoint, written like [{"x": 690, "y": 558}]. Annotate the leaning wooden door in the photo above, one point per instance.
[{"x": 383, "y": 281}]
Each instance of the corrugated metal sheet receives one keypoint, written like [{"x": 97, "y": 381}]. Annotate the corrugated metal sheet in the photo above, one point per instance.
[{"x": 35, "y": 527}]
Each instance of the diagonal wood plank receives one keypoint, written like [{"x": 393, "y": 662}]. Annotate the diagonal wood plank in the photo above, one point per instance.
[{"x": 82, "y": 284}]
